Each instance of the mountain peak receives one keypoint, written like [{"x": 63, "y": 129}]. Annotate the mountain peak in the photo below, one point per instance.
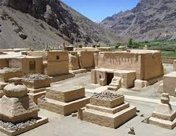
[{"x": 149, "y": 20}]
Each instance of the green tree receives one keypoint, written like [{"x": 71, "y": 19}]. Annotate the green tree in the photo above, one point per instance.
[{"x": 130, "y": 43}]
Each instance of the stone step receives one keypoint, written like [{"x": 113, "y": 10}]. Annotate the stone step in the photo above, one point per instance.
[
  {"x": 162, "y": 123},
  {"x": 107, "y": 119},
  {"x": 32, "y": 90},
  {"x": 35, "y": 96},
  {"x": 113, "y": 88},
  {"x": 65, "y": 93},
  {"x": 64, "y": 108},
  {"x": 108, "y": 110},
  {"x": 164, "y": 115}
]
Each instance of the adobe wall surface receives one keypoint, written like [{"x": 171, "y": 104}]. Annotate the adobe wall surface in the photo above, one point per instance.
[
  {"x": 7, "y": 73},
  {"x": 151, "y": 66},
  {"x": 27, "y": 64},
  {"x": 128, "y": 78},
  {"x": 86, "y": 59},
  {"x": 57, "y": 63},
  {"x": 4, "y": 63},
  {"x": 120, "y": 61},
  {"x": 85, "y": 49},
  {"x": 169, "y": 85},
  {"x": 38, "y": 65},
  {"x": 147, "y": 64},
  {"x": 15, "y": 63},
  {"x": 43, "y": 54},
  {"x": 74, "y": 61},
  {"x": 100, "y": 76}
]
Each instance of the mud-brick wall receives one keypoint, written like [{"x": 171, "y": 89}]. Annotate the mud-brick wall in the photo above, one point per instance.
[
  {"x": 147, "y": 65},
  {"x": 120, "y": 61},
  {"x": 4, "y": 63},
  {"x": 86, "y": 59},
  {"x": 74, "y": 61},
  {"x": 27, "y": 64},
  {"x": 57, "y": 63},
  {"x": 42, "y": 54},
  {"x": 151, "y": 66},
  {"x": 32, "y": 65}
]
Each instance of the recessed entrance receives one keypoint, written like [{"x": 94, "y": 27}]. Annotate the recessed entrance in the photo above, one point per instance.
[{"x": 109, "y": 77}]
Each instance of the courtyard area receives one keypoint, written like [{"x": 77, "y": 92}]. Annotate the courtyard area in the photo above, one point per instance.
[{"x": 145, "y": 100}]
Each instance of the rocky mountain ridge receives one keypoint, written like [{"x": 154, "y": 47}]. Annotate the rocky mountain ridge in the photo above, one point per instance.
[
  {"x": 47, "y": 23},
  {"x": 149, "y": 20}
]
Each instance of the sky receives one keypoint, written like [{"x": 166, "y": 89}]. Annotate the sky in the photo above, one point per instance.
[{"x": 97, "y": 10}]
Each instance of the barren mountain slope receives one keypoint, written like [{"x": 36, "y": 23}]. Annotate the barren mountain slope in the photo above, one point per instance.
[
  {"x": 149, "y": 20},
  {"x": 46, "y": 23}
]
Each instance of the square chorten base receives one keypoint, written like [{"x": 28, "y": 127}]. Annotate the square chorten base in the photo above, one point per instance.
[
  {"x": 37, "y": 84},
  {"x": 65, "y": 93},
  {"x": 64, "y": 108},
  {"x": 13, "y": 132},
  {"x": 109, "y": 117},
  {"x": 164, "y": 116},
  {"x": 108, "y": 109},
  {"x": 162, "y": 123},
  {"x": 64, "y": 99}
]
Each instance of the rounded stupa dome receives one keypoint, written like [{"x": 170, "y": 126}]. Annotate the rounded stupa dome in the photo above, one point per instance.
[{"x": 12, "y": 90}]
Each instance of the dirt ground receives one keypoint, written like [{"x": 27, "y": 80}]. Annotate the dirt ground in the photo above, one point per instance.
[{"x": 145, "y": 101}]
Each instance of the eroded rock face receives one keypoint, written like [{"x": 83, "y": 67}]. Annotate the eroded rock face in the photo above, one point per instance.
[
  {"x": 50, "y": 11},
  {"x": 50, "y": 24},
  {"x": 23, "y": 5}
]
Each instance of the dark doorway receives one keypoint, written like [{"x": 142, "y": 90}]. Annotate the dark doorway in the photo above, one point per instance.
[
  {"x": 109, "y": 77},
  {"x": 32, "y": 66}
]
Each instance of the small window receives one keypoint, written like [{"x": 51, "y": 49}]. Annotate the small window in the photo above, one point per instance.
[
  {"x": 100, "y": 76},
  {"x": 57, "y": 57}
]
